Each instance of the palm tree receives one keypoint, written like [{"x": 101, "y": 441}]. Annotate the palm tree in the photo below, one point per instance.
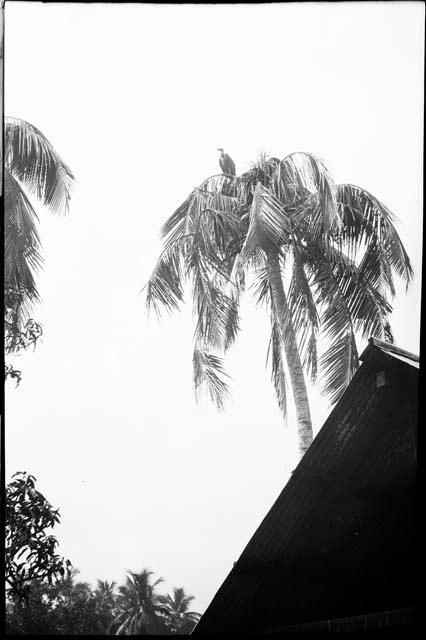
[
  {"x": 180, "y": 620},
  {"x": 322, "y": 257},
  {"x": 105, "y": 593},
  {"x": 139, "y": 608},
  {"x": 68, "y": 590},
  {"x": 34, "y": 174},
  {"x": 105, "y": 603}
]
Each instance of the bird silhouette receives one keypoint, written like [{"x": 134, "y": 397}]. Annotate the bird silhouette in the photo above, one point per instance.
[{"x": 226, "y": 163}]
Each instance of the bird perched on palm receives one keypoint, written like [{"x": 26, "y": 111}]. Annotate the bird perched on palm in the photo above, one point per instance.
[{"x": 226, "y": 163}]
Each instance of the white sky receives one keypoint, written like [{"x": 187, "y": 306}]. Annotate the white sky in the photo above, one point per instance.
[{"x": 136, "y": 99}]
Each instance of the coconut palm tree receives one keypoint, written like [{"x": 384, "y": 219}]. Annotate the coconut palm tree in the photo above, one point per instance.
[
  {"x": 105, "y": 593},
  {"x": 322, "y": 257},
  {"x": 105, "y": 603},
  {"x": 179, "y": 619},
  {"x": 34, "y": 175},
  {"x": 140, "y": 611}
]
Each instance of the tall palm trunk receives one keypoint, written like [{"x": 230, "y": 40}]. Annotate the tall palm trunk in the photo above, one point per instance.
[{"x": 297, "y": 378}]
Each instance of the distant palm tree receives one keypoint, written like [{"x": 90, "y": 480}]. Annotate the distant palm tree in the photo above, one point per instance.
[
  {"x": 179, "y": 619},
  {"x": 282, "y": 221},
  {"x": 105, "y": 603},
  {"x": 34, "y": 174},
  {"x": 69, "y": 591},
  {"x": 140, "y": 611},
  {"x": 105, "y": 593}
]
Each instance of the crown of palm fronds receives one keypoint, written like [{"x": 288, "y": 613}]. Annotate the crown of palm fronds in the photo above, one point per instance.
[
  {"x": 176, "y": 609},
  {"x": 140, "y": 607},
  {"x": 338, "y": 241},
  {"x": 32, "y": 170},
  {"x": 35, "y": 164}
]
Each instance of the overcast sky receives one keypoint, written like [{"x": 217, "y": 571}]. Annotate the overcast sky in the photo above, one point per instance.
[{"x": 136, "y": 99}]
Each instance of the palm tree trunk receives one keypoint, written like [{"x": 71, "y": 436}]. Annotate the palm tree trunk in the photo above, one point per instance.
[{"x": 297, "y": 378}]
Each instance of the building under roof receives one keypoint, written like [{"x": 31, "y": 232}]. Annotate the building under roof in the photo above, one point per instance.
[{"x": 337, "y": 550}]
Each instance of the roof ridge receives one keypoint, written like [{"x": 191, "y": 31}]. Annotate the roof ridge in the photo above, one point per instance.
[{"x": 387, "y": 346}]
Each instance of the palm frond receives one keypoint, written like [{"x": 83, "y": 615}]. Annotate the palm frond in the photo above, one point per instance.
[
  {"x": 216, "y": 312},
  {"x": 216, "y": 198},
  {"x": 269, "y": 225},
  {"x": 220, "y": 183},
  {"x": 174, "y": 227},
  {"x": 367, "y": 222},
  {"x": 303, "y": 312},
  {"x": 215, "y": 309},
  {"x": 261, "y": 286},
  {"x": 301, "y": 174},
  {"x": 214, "y": 193},
  {"x": 375, "y": 268},
  {"x": 278, "y": 376},
  {"x": 34, "y": 162},
  {"x": 340, "y": 361},
  {"x": 224, "y": 229},
  {"x": 22, "y": 243},
  {"x": 367, "y": 307},
  {"x": 310, "y": 356},
  {"x": 165, "y": 286},
  {"x": 232, "y": 320},
  {"x": 208, "y": 374},
  {"x": 263, "y": 171}
]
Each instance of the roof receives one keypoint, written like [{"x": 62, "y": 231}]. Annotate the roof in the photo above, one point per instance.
[
  {"x": 339, "y": 540},
  {"x": 376, "y": 347}
]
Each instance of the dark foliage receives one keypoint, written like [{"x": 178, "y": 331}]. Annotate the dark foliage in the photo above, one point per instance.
[
  {"x": 30, "y": 551},
  {"x": 44, "y": 598}
]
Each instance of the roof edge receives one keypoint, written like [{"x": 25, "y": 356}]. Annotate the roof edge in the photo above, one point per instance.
[{"x": 389, "y": 348}]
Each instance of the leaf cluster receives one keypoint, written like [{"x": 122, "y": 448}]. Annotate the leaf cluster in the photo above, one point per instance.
[
  {"x": 34, "y": 175},
  {"x": 30, "y": 550}
]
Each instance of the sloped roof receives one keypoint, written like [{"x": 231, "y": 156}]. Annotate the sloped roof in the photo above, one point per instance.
[
  {"x": 339, "y": 540},
  {"x": 378, "y": 347}
]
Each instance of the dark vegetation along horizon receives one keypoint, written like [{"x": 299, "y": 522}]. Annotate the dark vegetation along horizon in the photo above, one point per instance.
[{"x": 43, "y": 596}]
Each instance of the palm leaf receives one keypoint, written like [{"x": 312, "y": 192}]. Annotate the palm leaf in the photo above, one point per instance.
[
  {"x": 261, "y": 286},
  {"x": 263, "y": 171},
  {"x": 278, "y": 376},
  {"x": 301, "y": 174},
  {"x": 340, "y": 361},
  {"x": 368, "y": 223},
  {"x": 219, "y": 320},
  {"x": 375, "y": 268},
  {"x": 22, "y": 244},
  {"x": 269, "y": 225},
  {"x": 367, "y": 307},
  {"x": 212, "y": 194},
  {"x": 208, "y": 374},
  {"x": 216, "y": 312},
  {"x": 35, "y": 164},
  {"x": 303, "y": 311},
  {"x": 220, "y": 183},
  {"x": 165, "y": 286}
]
